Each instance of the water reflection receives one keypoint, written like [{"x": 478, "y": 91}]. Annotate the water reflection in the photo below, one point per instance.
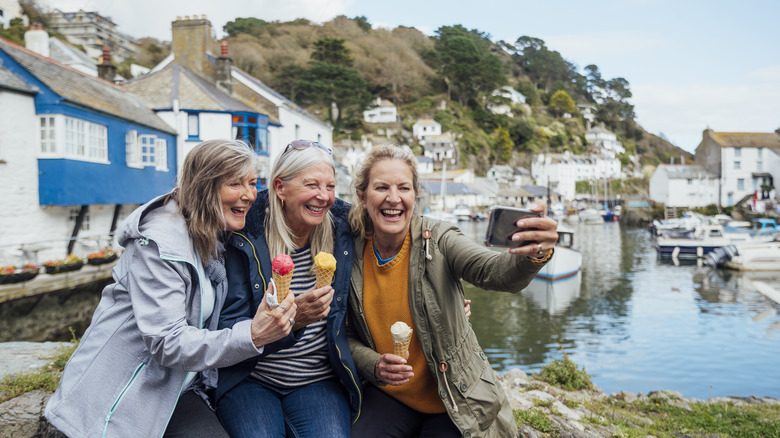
[{"x": 638, "y": 323}]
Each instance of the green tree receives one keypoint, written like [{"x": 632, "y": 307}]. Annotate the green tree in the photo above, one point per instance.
[
  {"x": 251, "y": 26},
  {"x": 503, "y": 145},
  {"x": 363, "y": 23},
  {"x": 332, "y": 51},
  {"x": 561, "y": 103},
  {"x": 286, "y": 80},
  {"x": 467, "y": 64}
]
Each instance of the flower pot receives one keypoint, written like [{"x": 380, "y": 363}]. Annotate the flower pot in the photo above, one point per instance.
[
  {"x": 18, "y": 277},
  {"x": 101, "y": 260},
  {"x": 58, "y": 269}
]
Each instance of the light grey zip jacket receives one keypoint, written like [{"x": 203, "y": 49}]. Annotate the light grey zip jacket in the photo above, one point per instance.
[
  {"x": 474, "y": 400},
  {"x": 146, "y": 334}
]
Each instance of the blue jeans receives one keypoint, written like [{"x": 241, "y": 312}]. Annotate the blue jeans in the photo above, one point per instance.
[{"x": 253, "y": 409}]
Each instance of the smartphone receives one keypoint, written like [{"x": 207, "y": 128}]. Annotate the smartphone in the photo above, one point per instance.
[{"x": 501, "y": 225}]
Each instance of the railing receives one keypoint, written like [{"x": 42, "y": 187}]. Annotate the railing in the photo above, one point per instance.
[{"x": 38, "y": 252}]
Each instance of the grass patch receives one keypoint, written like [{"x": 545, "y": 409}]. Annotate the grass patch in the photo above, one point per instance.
[
  {"x": 47, "y": 379},
  {"x": 535, "y": 419},
  {"x": 565, "y": 374}
]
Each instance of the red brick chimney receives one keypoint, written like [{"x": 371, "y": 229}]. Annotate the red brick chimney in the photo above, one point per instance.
[{"x": 106, "y": 70}]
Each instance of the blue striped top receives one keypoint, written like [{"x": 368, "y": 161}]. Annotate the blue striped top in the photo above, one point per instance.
[{"x": 306, "y": 361}]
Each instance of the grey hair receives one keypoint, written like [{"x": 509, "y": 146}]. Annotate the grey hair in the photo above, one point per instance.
[
  {"x": 206, "y": 167},
  {"x": 278, "y": 233},
  {"x": 358, "y": 216}
]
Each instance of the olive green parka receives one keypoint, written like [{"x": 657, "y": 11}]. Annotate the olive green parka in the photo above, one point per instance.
[{"x": 466, "y": 382}]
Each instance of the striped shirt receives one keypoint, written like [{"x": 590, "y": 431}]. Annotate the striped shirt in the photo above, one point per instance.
[{"x": 307, "y": 361}]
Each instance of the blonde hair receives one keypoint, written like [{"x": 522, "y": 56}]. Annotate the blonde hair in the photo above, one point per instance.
[
  {"x": 278, "y": 233},
  {"x": 359, "y": 219},
  {"x": 205, "y": 169}
]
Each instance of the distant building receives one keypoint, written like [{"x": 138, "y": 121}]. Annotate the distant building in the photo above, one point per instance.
[
  {"x": 605, "y": 140},
  {"x": 37, "y": 40},
  {"x": 424, "y": 165},
  {"x": 742, "y": 161},
  {"x": 93, "y": 31},
  {"x": 205, "y": 97},
  {"x": 10, "y": 9},
  {"x": 562, "y": 171},
  {"x": 424, "y": 128},
  {"x": 683, "y": 186},
  {"x": 383, "y": 112},
  {"x": 442, "y": 150},
  {"x": 77, "y": 154}
]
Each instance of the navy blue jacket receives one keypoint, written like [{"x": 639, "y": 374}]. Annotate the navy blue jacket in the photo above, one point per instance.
[{"x": 247, "y": 283}]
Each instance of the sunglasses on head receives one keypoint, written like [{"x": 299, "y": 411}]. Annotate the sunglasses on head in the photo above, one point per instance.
[{"x": 300, "y": 145}]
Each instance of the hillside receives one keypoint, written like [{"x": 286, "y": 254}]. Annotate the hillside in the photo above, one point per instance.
[{"x": 338, "y": 68}]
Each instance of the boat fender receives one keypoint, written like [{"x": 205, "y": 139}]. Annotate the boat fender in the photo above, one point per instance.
[
  {"x": 676, "y": 252},
  {"x": 699, "y": 252}
]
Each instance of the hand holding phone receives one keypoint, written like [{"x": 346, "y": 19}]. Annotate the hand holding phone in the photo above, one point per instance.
[{"x": 502, "y": 225}]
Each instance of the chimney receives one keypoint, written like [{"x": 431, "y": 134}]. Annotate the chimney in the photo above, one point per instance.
[
  {"x": 106, "y": 70},
  {"x": 224, "y": 67},
  {"x": 191, "y": 38},
  {"x": 37, "y": 40}
]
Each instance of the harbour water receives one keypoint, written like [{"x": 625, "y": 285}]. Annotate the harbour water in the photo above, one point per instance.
[{"x": 637, "y": 323}]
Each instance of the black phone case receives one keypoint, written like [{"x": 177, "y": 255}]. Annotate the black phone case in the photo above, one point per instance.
[{"x": 501, "y": 225}]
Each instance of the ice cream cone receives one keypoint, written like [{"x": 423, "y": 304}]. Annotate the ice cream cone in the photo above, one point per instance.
[
  {"x": 324, "y": 276},
  {"x": 324, "y": 267},
  {"x": 400, "y": 347},
  {"x": 282, "y": 283}
]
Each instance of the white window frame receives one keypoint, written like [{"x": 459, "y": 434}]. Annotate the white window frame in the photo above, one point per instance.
[
  {"x": 72, "y": 138},
  {"x": 146, "y": 150}
]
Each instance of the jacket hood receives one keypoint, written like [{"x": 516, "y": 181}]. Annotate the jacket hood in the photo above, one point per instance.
[{"x": 161, "y": 222}]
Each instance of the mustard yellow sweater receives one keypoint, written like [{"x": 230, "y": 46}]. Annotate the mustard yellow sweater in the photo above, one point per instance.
[{"x": 385, "y": 301}]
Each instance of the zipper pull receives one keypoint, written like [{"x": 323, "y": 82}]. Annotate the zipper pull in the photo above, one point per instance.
[
  {"x": 443, "y": 369},
  {"x": 427, "y": 237}
]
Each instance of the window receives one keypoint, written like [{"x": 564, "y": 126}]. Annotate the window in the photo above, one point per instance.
[
  {"x": 193, "y": 126},
  {"x": 690, "y": 181},
  {"x": 737, "y": 152},
  {"x": 146, "y": 150},
  {"x": 83, "y": 140},
  {"x": 251, "y": 130},
  {"x": 737, "y": 165},
  {"x": 48, "y": 137},
  {"x": 760, "y": 166},
  {"x": 760, "y": 153},
  {"x": 740, "y": 184}
]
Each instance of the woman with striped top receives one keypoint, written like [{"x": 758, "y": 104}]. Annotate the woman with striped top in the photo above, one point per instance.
[{"x": 306, "y": 384}]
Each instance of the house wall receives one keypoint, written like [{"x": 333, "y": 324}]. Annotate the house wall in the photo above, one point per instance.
[
  {"x": 295, "y": 126},
  {"x": 659, "y": 186}
]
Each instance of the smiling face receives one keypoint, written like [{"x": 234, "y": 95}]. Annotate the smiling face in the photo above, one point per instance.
[
  {"x": 237, "y": 196},
  {"x": 389, "y": 200},
  {"x": 307, "y": 198}
]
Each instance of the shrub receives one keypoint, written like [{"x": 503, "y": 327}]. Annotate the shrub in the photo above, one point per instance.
[{"x": 565, "y": 374}]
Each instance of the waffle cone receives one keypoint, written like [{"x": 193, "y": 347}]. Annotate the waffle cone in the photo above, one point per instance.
[
  {"x": 282, "y": 283},
  {"x": 400, "y": 348},
  {"x": 324, "y": 276}
]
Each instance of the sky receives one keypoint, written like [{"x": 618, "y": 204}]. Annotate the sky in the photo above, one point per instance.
[{"x": 691, "y": 64}]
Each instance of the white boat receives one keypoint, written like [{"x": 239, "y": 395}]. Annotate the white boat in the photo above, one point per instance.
[
  {"x": 764, "y": 256},
  {"x": 705, "y": 239},
  {"x": 566, "y": 261},
  {"x": 591, "y": 216},
  {"x": 462, "y": 212},
  {"x": 555, "y": 297}
]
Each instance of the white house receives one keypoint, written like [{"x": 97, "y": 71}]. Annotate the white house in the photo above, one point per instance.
[
  {"x": 743, "y": 162},
  {"x": 683, "y": 186},
  {"x": 562, "y": 171},
  {"x": 504, "y": 174},
  {"x": 604, "y": 139},
  {"x": 507, "y": 98},
  {"x": 383, "y": 112},
  {"x": 205, "y": 97},
  {"x": 424, "y": 165},
  {"x": 10, "y": 9},
  {"x": 93, "y": 31},
  {"x": 443, "y": 151},
  {"x": 425, "y": 127}
]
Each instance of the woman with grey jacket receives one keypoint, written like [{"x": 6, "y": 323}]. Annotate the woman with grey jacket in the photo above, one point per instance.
[
  {"x": 408, "y": 268},
  {"x": 146, "y": 364}
]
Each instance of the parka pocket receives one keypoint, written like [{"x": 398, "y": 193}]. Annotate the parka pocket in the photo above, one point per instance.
[
  {"x": 482, "y": 397},
  {"x": 118, "y": 400}
]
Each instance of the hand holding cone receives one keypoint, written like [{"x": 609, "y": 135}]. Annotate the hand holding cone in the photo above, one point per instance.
[{"x": 402, "y": 337}]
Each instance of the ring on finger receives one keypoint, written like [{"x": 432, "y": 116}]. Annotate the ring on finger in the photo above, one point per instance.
[
  {"x": 292, "y": 321},
  {"x": 284, "y": 309},
  {"x": 539, "y": 248}
]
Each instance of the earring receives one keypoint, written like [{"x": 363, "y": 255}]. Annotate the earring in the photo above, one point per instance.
[{"x": 282, "y": 203}]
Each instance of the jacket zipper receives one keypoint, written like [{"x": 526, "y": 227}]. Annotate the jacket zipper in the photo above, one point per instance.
[
  {"x": 129, "y": 383},
  {"x": 257, "y": 261}
]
